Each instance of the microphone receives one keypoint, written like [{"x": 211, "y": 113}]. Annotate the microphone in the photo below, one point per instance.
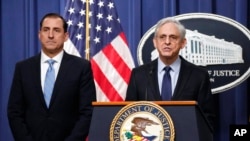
[
  {"x": 146, "y": 91},
  {"x": 151, "y": 71}
]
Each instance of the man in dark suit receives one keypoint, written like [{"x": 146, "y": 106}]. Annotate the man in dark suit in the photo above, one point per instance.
[
  {"x": 67, "y": 116},
  {"x": 188, "y": 81}
]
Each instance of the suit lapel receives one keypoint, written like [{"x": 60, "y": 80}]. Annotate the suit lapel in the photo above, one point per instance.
[
  {"x": 153, "y": 81},
  {"x": 63, "y": 70},
  {"x": 36, "y": 74},
  {"x": 183, "y": 78}
]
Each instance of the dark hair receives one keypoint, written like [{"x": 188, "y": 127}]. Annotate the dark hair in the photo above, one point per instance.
[{"x": 55, "y": 15}]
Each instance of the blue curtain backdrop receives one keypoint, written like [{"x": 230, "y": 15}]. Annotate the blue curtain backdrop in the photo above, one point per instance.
[{"x": 19, "y": 25}]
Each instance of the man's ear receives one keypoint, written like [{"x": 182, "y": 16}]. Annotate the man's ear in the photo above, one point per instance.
[
  {"x": 184, "y": 42},
  {"x": 66, "y": 36},
  {"x": 154, "y": 42},
  {"x": 39, "y": 34}
]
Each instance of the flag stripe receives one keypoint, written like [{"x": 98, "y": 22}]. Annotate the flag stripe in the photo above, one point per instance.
[
  {"x": 122, "y": 49},
  {"x": 70, "y": 48},
  {"x": 104, "y": 84},
  {"x": 111, "y": 59},
  {"x": 111, "y": 75},
  {"x": 100, "y": 95},
  {"x": 116, "y": 60}
]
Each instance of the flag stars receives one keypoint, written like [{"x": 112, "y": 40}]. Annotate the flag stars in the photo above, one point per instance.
[
  {"x": 80, "y": 24},
  {"x": 69, "y": 22},
  {"x": 99, "y": 16},
  {"x": 91, "y": 2},
  {"x": 83, "y": 1},
  {"x": 87, "y": 50},
  {"x": 109, "y": 18},
  {"x": 89, "y": 26},
  {"x": 108, "y": 30},
  {"x": 90, "y": 13},
  {"x": 71, "y": 10},
  {"x": 111, "y": 5},
  {"x": 98, "y": 28},
  {"x": 82, "y": 12},
  {"x": 97, "y": 40},
  {"x": 100, "y": 4},
  {"x": 79, "y": 36},
  {"x": 100, "y": 23}
]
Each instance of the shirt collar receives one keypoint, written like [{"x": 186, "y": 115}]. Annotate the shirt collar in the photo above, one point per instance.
[
  {"x": 57, "y": 58},
  {"x": 174, "y": 66}
]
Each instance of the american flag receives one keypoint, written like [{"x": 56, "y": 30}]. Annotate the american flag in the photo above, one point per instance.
[{"x": 107, "y": 47}]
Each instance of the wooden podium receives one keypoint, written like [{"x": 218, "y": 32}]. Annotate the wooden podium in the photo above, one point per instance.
[{"x": 189, "y": 122}]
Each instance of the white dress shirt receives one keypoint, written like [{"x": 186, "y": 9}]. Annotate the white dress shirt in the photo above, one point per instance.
[
  {"x": 174, "y": 72},
  {"x": 45, "y": 65}
]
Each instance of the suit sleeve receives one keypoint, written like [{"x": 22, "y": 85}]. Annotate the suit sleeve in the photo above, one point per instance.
[
  {"x": 131, "y": 91},
  {"x": 206, "y": 101},
  {"x": 87, "y": 95},
  {"x": 15, "y": 110}
]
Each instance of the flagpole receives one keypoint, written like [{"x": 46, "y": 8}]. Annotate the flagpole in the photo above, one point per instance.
[{"x": 87, "y": 39}]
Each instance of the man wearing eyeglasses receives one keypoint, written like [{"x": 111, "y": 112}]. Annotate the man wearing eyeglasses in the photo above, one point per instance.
[{"x": 183, "y": 81}]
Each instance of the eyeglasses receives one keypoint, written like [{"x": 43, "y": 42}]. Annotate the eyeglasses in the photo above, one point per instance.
[{"x": 171, "y": 38}]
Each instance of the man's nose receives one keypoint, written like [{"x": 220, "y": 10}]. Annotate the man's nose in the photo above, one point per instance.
[
  {"x": 51, "y": 34},
  {"x": 167, "y": 39}
]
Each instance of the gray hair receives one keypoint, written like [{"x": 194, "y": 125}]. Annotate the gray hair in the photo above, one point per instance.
[{"x": 163, "y": 21}]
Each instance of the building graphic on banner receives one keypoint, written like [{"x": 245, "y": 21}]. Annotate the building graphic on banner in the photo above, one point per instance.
[
  {"x": 206, "y": 50},
  {"x": 214, "y": 42}
]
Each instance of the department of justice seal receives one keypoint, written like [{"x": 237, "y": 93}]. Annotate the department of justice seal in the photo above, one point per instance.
[{"x": 142, "y": 121}]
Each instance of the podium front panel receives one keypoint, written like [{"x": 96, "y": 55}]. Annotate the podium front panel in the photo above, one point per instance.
[{"x": 188, "y": 123}]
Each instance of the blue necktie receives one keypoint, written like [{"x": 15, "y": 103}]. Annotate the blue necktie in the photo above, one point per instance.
[
  {"x": 166, "y": 90},
  {"x": 49, "y": 81}
]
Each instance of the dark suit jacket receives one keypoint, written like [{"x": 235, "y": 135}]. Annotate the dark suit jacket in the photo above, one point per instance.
[
  {"x": 193, "y": 84},
  {"x": 69, "y": 115}
]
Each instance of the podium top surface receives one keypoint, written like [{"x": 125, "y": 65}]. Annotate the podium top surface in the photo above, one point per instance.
[{"x": 174, "y": 103}]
